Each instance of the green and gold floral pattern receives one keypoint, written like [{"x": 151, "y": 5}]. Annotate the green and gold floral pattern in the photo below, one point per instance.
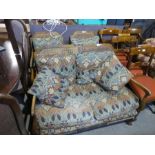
[
  {"x": 93, "y": 106},
  {"x": 61, "y": 61},
  {"x": 45, "y": 40},
  {"x": 49, "y": 88},
  {"x": 84, "y": 38}
]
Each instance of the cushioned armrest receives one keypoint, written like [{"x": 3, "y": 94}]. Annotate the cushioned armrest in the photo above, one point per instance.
[
  {"x": 146, "y": 90},
  {"x": 33, "y": 105}
]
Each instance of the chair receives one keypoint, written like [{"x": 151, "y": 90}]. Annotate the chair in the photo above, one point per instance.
[
  {"x": 122, "y": 43},
  {"x": 149, "y": 84},
  {"x": 144, "y": 79},
  {"x": 136, "y": 63},
  {"x": 20, "y": 39},
  {"x": 107, "y": 34},
  {"x": 135, "y": 32},
  {"x": 11, "y": 118}
]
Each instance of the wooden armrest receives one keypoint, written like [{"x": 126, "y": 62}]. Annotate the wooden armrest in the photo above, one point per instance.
[
  {"x": 146, "y": 90},
  {"x": 33, "y": 105},
  {"x": 32, "y": 59}
]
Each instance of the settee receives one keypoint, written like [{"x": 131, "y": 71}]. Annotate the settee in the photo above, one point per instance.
[{"x": 78, "y": 88}]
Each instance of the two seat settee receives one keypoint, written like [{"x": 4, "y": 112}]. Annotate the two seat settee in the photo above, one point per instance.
[{"x": 79, "y": 88}]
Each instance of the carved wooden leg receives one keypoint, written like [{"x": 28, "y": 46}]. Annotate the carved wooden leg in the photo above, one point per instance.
[{"x": 130, "y": 121}]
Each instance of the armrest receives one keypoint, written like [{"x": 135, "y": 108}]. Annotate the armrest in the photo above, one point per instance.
[
  {"x": 33, "y": 105},
  {"x": 146, "y": 90}
]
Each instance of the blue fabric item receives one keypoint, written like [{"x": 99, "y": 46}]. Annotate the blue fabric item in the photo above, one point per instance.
[{"x": 91, "y": 21}]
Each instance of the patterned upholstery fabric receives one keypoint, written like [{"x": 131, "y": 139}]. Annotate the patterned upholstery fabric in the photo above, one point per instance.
[
  {"x": 122, "y": 103},
  {"x": 60, "y": 60},
  {"x": 95, "y": 48},
  {"x": 89, "y": 65},
  {"x": 49, "y": 88},
  {"x": 43, "y": 40},
  {"x": 115, "y": 75},
  {"x": 103, "y": 68},
  {"x": 82, "y": 111},
  {"x": 83, "y": 103},
  {"x": 84, "y": 38},
  {"x": 114, "y": 81}
]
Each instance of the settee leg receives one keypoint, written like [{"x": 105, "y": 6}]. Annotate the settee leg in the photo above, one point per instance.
[{"x": 130, "y": 121}]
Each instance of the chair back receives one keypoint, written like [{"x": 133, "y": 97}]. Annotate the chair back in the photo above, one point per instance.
[
  {"x": 136, "y": 53},
  {"x": 18, "y": 35},
  {"x": 135, "y": 32},
  {"x": 106, "y": 34},
  {"x": 124, "y": 40}
]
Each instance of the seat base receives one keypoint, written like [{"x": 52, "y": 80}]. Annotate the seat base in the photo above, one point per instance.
[{"x": 129, "y": 118}]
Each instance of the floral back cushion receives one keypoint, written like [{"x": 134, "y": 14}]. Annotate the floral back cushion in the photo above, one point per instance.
[
  {"x": 49, "y": 88},
  {"x": 95, "y": 48},
  {"x": 89, "y": 65},
  {"x": 115, "y": 75},
  {"x": 45, "y": 40},
  {"x": 84, "y": 38},
  {"x": 61, "y": 61}
]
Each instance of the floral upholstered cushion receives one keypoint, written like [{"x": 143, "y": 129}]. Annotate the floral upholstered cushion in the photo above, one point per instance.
[
  {"x": 86, "y": 106},
  {"x": 61, "y": 61},
  {"x": 89, "y": 65},
  {"x": 87, "y": 90},
  {"x": 78, "y": 112},
  {"x": 95, "y": 48},
  {"x": 110, "y": 106},
  {"x": 49, "y": 88},
  {"x": 45, "y": 40},
  {"x": 115, "y": 75},
  {"x": 77, "y": 109},
  {"x": 114, "y": 82},
  {"x": 84, "y": 38}
]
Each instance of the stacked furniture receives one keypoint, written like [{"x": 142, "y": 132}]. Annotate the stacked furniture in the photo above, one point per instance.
[{"x": 122, "y": 40}]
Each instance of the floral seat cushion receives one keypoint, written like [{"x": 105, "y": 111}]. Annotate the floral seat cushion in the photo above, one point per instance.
[
  {"x": 108, "y": 106},
  {"x": 45, "y": 40},
  {"x": 76, "y": 111},
  {"x": 92, "y": 105},
  {"x": 77, "y": 108}
]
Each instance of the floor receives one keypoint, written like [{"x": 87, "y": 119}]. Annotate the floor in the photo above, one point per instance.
[{"x": 144, "y": 125}]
